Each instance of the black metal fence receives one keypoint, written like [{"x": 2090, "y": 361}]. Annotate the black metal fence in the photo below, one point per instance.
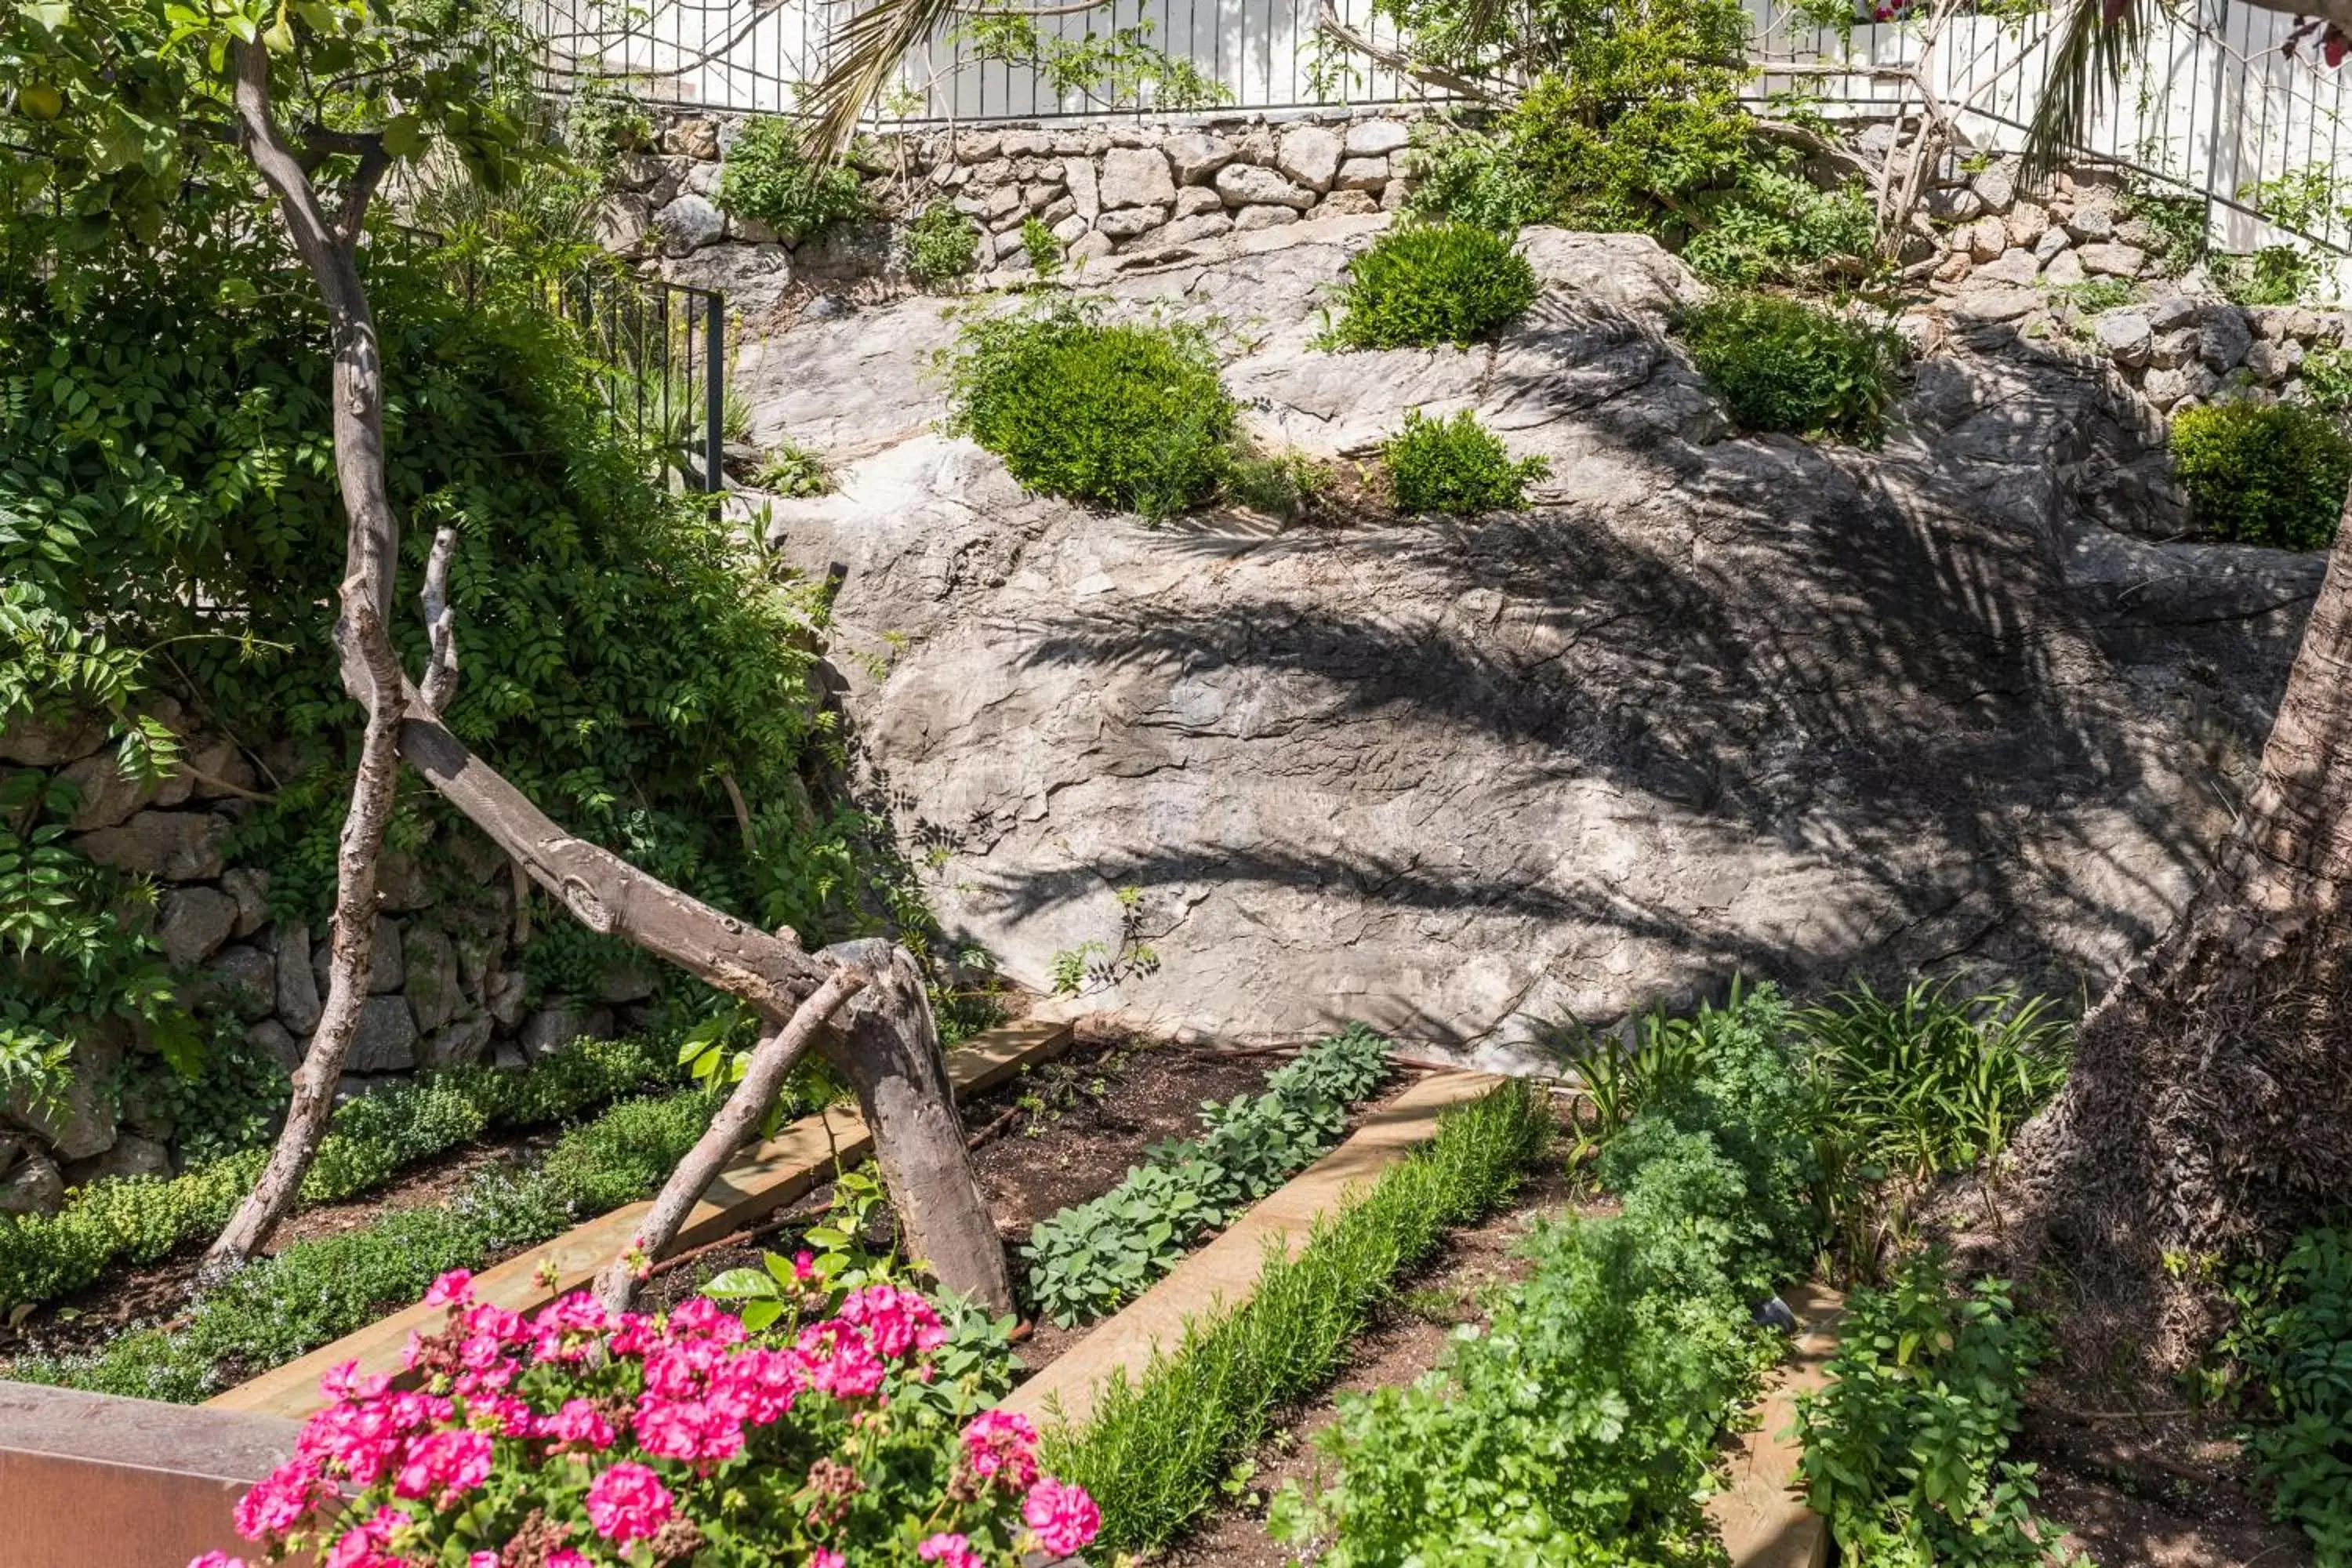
[{"x": 663, "y": 350}]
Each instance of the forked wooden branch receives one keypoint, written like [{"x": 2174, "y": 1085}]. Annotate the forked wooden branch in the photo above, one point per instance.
[
  {"x": 892, "y": 1052},
  {"x": 763, "y": 1079}
]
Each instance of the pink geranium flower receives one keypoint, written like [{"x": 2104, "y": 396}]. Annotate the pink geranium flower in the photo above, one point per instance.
[
  {"x": 628, "y": 1503},
  {"x": 278, "y": 1502},
  {"x": 1063, "y": 1516},
  {"x": 578, "y": 1422},
  {"x": 1001, "y": 1447},
  {"x": 950, "y": 1551},
  {"x": 454, "y": 1289},
  {"x": 444, "y": 1462}
]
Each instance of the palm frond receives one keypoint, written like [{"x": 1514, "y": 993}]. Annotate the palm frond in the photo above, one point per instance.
[
  {"x": 2098, "y": 42},
  {"x": 866, "y": 50}
]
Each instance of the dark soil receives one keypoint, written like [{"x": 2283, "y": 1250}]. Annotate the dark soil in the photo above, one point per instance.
[
  {"x": 2164, "y": 1490},
  {"x": 1404, "y": 1341},
  {"x": 1060, "y": 1133}
]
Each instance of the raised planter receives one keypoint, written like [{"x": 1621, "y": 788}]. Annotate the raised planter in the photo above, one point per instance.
[
  {"x": 1224, "y": 1274},
  {"x": 93, "y": 1481},
  {"x": 799, "y": 1157},
  {"x": 1763, "y": 1519}
]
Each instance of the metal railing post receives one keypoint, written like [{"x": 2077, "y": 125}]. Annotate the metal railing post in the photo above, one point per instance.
[{"x": 714, "y": 390}]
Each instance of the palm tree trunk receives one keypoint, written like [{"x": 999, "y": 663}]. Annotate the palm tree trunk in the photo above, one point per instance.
[{"x": 2210, "y": 1111}]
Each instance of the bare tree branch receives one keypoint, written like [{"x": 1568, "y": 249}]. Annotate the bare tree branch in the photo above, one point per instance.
[
  {"x": 370, "y": 670},
  {"x": 1328, "y": 23},
  {"x": 763, "y": 1079}
]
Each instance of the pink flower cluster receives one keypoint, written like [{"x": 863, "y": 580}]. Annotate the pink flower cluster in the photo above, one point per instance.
[
  {"x": 1001, "y": 1447},
  {"x": 1063, "y": 1516},
  {"x": 682, "y": 1392}
]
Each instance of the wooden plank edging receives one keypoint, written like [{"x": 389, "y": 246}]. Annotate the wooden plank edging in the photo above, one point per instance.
[
  {"x": 802, "y": 1155},
  {"x": 1224, "y": 1274},
  {"x": 1763, "y": 1519}
]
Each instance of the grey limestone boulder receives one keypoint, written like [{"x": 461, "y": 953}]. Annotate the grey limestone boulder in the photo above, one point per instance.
[
  {"x": 1310, "y": 154},
  {"x": 35, "y": 1186},
  {"x": 1377, "y": 138},
  {"x": 1134, "y": 177},
  {"x": 688, "y": 224},
  {"x": 245, "y": 979},
  {"x": 1195, "y": 155},
  {"x": 193, "y": 923},
  {"x": 433, "y": 987},
  {"x": 2124, "y": 335},
  {"x": 1709, "y": 705},
  {"x": 386, "y": 1037},
  {"x": 1247, "y": 184},
  {"x": 170, "y": 846}
]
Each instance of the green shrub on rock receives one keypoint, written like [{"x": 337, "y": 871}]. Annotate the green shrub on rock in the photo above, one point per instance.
[
  {"x": 1455, "y": 466},
  {"x": 767, "y": 180},
  {"x": 1428, "y": 284},
  {"x": 2262, "y": 473},
  {"x": 1123, "y": 415},
  {"x": 942, "y": 245},
  {"x": 1784, "y": 365}
]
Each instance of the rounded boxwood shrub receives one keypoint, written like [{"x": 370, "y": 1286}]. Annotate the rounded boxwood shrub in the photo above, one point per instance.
[
  {"x": 1129, "y": 416},
  {"x": 2263, "y": 473},
  {"x": 1781, "y": 364},
  {"x": 1427, "y": 284},
  {"x": 1455, "y": 466}
]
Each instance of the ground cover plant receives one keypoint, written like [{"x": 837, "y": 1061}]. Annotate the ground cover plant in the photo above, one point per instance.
[
  {"x": 595, "y": 1440},
  {"x": 1905, "y": 1449},
  {"x": 1455, "y": 466},
  {"x": 2262, "y": 473},
  {"x": 136, "y": 1219},
  {"x": 1422, "y": 285},
  {"x": 2290, "y": 1352},
  {"x": 1092, "y": 1258},
  {"x": 311, "y": 1292},
  {"x": 1156, "y": 1446},
  {"x": 1783, "y": 364},
  {"x": 1122, "y": 415}
]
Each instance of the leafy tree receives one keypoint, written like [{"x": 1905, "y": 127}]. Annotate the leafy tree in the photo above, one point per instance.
[{"x": 123, "y": 106}]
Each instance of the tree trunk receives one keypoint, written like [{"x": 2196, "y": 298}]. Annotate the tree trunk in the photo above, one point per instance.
[
  {"x": 888, "y": 1049},
  {"x": 371, "y": 672},
  {"x": 2210, "y": 1108},
  {"x": 939, "y": 1202}
]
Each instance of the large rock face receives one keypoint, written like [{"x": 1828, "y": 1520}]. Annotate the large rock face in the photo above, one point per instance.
[{"x": 1712, "y": 705}]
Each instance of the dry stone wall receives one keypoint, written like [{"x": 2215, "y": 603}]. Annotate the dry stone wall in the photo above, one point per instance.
[
  {"x": 448, "y": 985},
  {"x": 1102, "y": 190},
  {"x": 2011, "y": 257}
]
